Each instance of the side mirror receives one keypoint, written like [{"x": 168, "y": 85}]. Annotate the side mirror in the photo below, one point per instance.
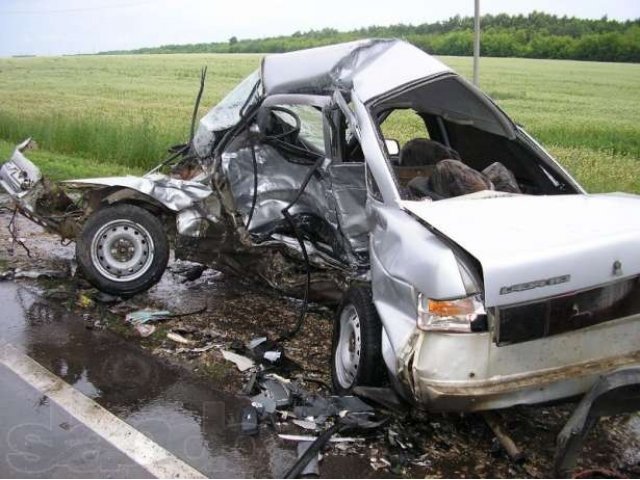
[{"x": 393, "y": 147}]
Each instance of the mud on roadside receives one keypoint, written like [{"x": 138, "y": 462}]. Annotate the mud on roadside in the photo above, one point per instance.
[{"x": 238, "y": 311}]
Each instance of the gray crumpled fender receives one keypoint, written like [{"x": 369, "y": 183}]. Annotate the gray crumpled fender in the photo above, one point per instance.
[{"x": 176, "y": 195}]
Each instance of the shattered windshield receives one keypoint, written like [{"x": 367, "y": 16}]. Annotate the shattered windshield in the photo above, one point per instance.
[{"x": 226, "y": 114}]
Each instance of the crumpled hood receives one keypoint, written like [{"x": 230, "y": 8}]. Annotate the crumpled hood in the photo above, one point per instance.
[{"x": 533, "y": 247}]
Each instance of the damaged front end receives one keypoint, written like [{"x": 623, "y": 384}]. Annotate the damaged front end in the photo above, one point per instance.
[
  {"x": 62, "y": 207},
  {"x": 40, "y": 200}
]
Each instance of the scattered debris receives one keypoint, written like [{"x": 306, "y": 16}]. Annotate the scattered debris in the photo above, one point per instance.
[
  {"x": 503, "y": 437},
  {"x": 249, "y": 423},
  {"x": 144, "y": 316},
  {"x": 307, "y": 438},
  {"x": 312, "y": 469},
  {"x": 193, "y": 273},
  {"x": 84, "y": 301},
  {"x": 243, "y": 363},
  {"x": 273, "y": 392},
  {"x": 37, "y": 274},
  {"x": 6, "y": 275},
  {"x": 204, "y": 349},
  {"x": 145, "y": 330},
  {"x": 88, "y": 321},
  {"x": 176, "y": 337},
  {"x": 255, "y": 342},
  {"x": 306, "y": 424},
  {"x": 272, "y": 356},
  {"x": 13, "y": 231},
  {"x": 188, "y": 271}
]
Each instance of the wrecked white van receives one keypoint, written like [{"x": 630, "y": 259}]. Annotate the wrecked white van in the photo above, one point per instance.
[{"x": 477, "y": 301}]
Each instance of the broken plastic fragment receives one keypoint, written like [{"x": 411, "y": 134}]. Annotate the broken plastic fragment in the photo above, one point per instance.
[
  {"x": 145, "y": 330},
  {"x": 243, "y": 363},
  {"x": 255, "y": 342},
  {"x": 249, "y": 423},
  {"x": 272, "y": 356},
  {"x": 144, "y": 316}
]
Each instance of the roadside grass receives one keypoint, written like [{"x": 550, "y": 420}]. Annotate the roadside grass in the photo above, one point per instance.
[
  {"x": 600, "y": 171},
  {"x": 63, "y": 167},
  {"x": 101, "y": 115}
]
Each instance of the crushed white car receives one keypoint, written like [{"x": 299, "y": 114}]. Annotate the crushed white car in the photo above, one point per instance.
[{"x": 478, "y": 301}]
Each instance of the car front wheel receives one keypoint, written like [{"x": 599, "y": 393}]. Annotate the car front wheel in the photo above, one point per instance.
[
  {"x": 122, "y": 249},
  {"x": 357, "y": 343}
]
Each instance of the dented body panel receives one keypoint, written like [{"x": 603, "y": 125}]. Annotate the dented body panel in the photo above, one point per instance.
[
  {"x": 484, "y": 376},
  {"x": 289, "y": 175},
  {"x": 174, "y": 194}
]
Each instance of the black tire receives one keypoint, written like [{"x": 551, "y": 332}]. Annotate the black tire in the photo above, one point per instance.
[
  {"x": 141, "y": 231},
  {"x": 369, "y": 369}
]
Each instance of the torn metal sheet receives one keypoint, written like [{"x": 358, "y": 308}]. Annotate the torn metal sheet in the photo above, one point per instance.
[{"x": 19, "y": 174}]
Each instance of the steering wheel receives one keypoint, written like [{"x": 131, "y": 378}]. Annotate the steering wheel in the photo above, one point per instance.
[{"x": 266, "y": 123}]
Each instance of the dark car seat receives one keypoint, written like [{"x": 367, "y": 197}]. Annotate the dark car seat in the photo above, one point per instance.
[
  {"x": 419, "y": 152},
  {"x": 418, "y": 157}
]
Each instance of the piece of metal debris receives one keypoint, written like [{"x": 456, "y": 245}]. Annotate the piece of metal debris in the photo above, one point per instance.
[
  {"x": 308, "y": 438},
  {"x": 204, "y": 349},
  {"x": 243, "y": 363},
  {"x": 306, "y": 424}
]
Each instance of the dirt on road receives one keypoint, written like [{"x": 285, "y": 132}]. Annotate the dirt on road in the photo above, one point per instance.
[{"x": 233, "y": 311}]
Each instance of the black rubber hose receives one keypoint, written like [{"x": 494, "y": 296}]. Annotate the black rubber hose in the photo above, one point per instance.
[
  {"x": 298, "y": 234},
  {"x": 255, "y": 186},
  {"x": 314, "y": 448}
]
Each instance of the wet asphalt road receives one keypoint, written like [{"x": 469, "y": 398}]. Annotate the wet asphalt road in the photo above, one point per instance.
[{"x": 184, "y": 415}]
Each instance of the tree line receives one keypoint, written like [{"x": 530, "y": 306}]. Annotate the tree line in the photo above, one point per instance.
[{"x": 536, "y": 35}]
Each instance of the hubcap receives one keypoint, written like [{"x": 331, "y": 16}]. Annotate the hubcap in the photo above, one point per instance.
[
  {"x": 122, "y": 250},
  {"x": 348, "y": 351}
]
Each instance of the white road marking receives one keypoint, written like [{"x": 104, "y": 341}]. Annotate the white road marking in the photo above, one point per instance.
[{"x": 138, "y": 447}]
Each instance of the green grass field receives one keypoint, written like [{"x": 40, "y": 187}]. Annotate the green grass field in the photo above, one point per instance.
[{"x": 99, "y": 115}]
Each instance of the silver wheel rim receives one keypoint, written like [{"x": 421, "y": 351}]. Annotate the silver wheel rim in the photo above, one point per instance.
[
  {"x": 349, "y": 349},
  {"x": 122, "y": 250}
]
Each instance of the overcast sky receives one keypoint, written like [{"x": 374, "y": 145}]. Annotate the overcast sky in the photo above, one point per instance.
[{"x": 53, "y": 27}]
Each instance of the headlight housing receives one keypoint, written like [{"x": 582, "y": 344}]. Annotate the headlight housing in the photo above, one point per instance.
[{"x": 462, "y": 315}]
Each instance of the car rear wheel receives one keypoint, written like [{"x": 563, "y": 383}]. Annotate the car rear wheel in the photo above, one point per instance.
[
  {"x": 122, "y": 249},
  {"x": 357, "y": 343}
]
